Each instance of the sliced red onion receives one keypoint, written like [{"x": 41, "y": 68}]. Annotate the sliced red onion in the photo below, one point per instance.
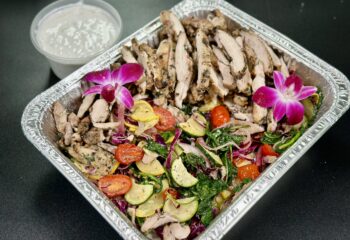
[
  {"x": 259, "y": 158},
  {"x": 117, "y": 138},
  {"x": 244, "y": 151},
  {"x": 121, "y": 204},
  {"x": 203, "y": 144},
  {"x": 196, "y": 228},
  {"x": 172, "y": 147},
  {"x": 159, "y": 139}
]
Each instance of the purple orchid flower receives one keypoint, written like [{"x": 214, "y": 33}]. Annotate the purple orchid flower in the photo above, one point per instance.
[
  {"x": 110, "y": 83},
  {"x": 285, "y": 98}
]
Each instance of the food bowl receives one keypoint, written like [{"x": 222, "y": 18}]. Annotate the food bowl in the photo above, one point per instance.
[{"x": 65, "y": 63}]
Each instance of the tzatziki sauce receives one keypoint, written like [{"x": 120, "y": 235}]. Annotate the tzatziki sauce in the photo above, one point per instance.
[{"x": 77, "y": 31}]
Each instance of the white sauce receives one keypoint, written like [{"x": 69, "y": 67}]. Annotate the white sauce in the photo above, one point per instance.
[{"x": 77, "y": 31}]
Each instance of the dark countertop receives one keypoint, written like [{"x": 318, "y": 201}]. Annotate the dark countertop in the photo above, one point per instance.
[{"x": 310, "y": 202}]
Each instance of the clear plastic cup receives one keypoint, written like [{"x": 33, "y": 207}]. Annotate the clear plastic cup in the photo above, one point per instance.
[{"x": 62, "y": 66}]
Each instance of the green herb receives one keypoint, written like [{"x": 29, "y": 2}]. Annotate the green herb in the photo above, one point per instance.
[
  {"x": 187, "y": 109},
  {"x": 231, "y": 170},
  {"x": 206, "y": 189},
  {"x": 221, "y": 136},
  {"x": 193, "y": 161},
  {"x": 240, "y": 186},
  {"x": 271, "y": 138},
  {"x": 286, "y": 142},
  {"x": 156, "y": 147},
  {"x": 205, "y": 211},
  {"x": 166, "y": 135}
]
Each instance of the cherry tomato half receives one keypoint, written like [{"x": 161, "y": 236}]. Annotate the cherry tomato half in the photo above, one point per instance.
[
  {"x": 127, "y": 153},
  {"x": 219, "y": 116},
  {"x": 115, "y": 185},
  {"x": 166, "y": 119},
  {"x": 267, "y": 150},
  {"x": 170, "y": 191},
  {"x": 248, "y": 171}
]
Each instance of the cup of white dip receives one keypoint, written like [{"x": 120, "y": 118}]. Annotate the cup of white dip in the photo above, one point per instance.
[{"x": 70, "y": 33}]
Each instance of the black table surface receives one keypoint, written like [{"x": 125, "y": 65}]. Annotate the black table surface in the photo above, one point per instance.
[{"x": 311, "y": 201}]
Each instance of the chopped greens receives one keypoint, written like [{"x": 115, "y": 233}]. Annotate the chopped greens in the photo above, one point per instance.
[
  {"x": 221, "y": 136},
  {"x": 271, "y": 137},
  {"x": 192, "y": 160},
  {"x": 240, "y": 186},
  {"x": 156, "y": 147}
]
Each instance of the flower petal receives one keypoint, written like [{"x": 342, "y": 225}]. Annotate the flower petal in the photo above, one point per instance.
[
  {"x": 124, "y": 97},
  {"x": 265, "y": 97},
  {"x": 279, "y": 110},
  {"x": 127, "y": 73},
  {"x": 279, "y": 79},
  {"x": 94, "y": 89},
  {"x": 296, "y": 81},
  {"x": 108, "y": 93},
  {"x": 295, "y": 112},
  {"x": 306, "y": 91},
  {"x": 102, "y": 77}
]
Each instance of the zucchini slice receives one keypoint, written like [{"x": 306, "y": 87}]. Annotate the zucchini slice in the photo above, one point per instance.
[
  {"x": 180, "y": 174},
  {"x": 138, "y": 193}
]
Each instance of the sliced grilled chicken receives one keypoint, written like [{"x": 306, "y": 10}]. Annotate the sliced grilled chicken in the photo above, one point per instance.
[
  {"x": 204, "y": 66},
  {"x": 174, "y": 27},
  {"x": 217, "y": 19},
  {"x": 85, "y": 105},
  {"x": 60, "y": 116},
  {"x": 184, "y": 70},
  {"x": 99, "y": 111},
  {"x": 257, "y": 45},
  {"x": 271, "y": 122},
  {"x": 165, "y": 57},
  {"x": 259, "y": 113},
  {"x": 275, "y": 60},
  {"x": 208, "y": 80},
  {"x": 157, "y": 220},
  {"x": 127, "y": 55},
  {"x": 234, "y": 51},
  {"x": 224, "y": 67},
  {"x": 154, "y": 69},
  {"x": 244, "y": 83},
  {"x": 284, "y": 68}
]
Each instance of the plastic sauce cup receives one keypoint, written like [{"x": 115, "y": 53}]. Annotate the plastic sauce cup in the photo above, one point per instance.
[{"x": 62, "y": 65}]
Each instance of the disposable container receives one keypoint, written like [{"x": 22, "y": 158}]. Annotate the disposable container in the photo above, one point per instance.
[
  {"x": 63, "y": 66},
  {"x": 39, "y": 127}
]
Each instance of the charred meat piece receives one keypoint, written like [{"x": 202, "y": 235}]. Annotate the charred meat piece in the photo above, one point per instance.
[
  {"x": 93, "y": 136},
  {"x": 84, "y": 125},
  {"x": 184, "y": 70}
]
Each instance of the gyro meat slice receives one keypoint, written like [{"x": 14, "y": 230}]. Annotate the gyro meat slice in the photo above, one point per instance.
[
  {"x": 257, "y": 45},
  {"x": 184, "y": 70}
]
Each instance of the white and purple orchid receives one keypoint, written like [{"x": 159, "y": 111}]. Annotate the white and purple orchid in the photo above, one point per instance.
[
  {"x": 110, "y": 83},
  {"x": 285, "y": 98}
]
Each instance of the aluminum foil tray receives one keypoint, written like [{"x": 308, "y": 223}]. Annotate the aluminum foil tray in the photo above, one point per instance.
[{"x": 38, "y": 124}]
